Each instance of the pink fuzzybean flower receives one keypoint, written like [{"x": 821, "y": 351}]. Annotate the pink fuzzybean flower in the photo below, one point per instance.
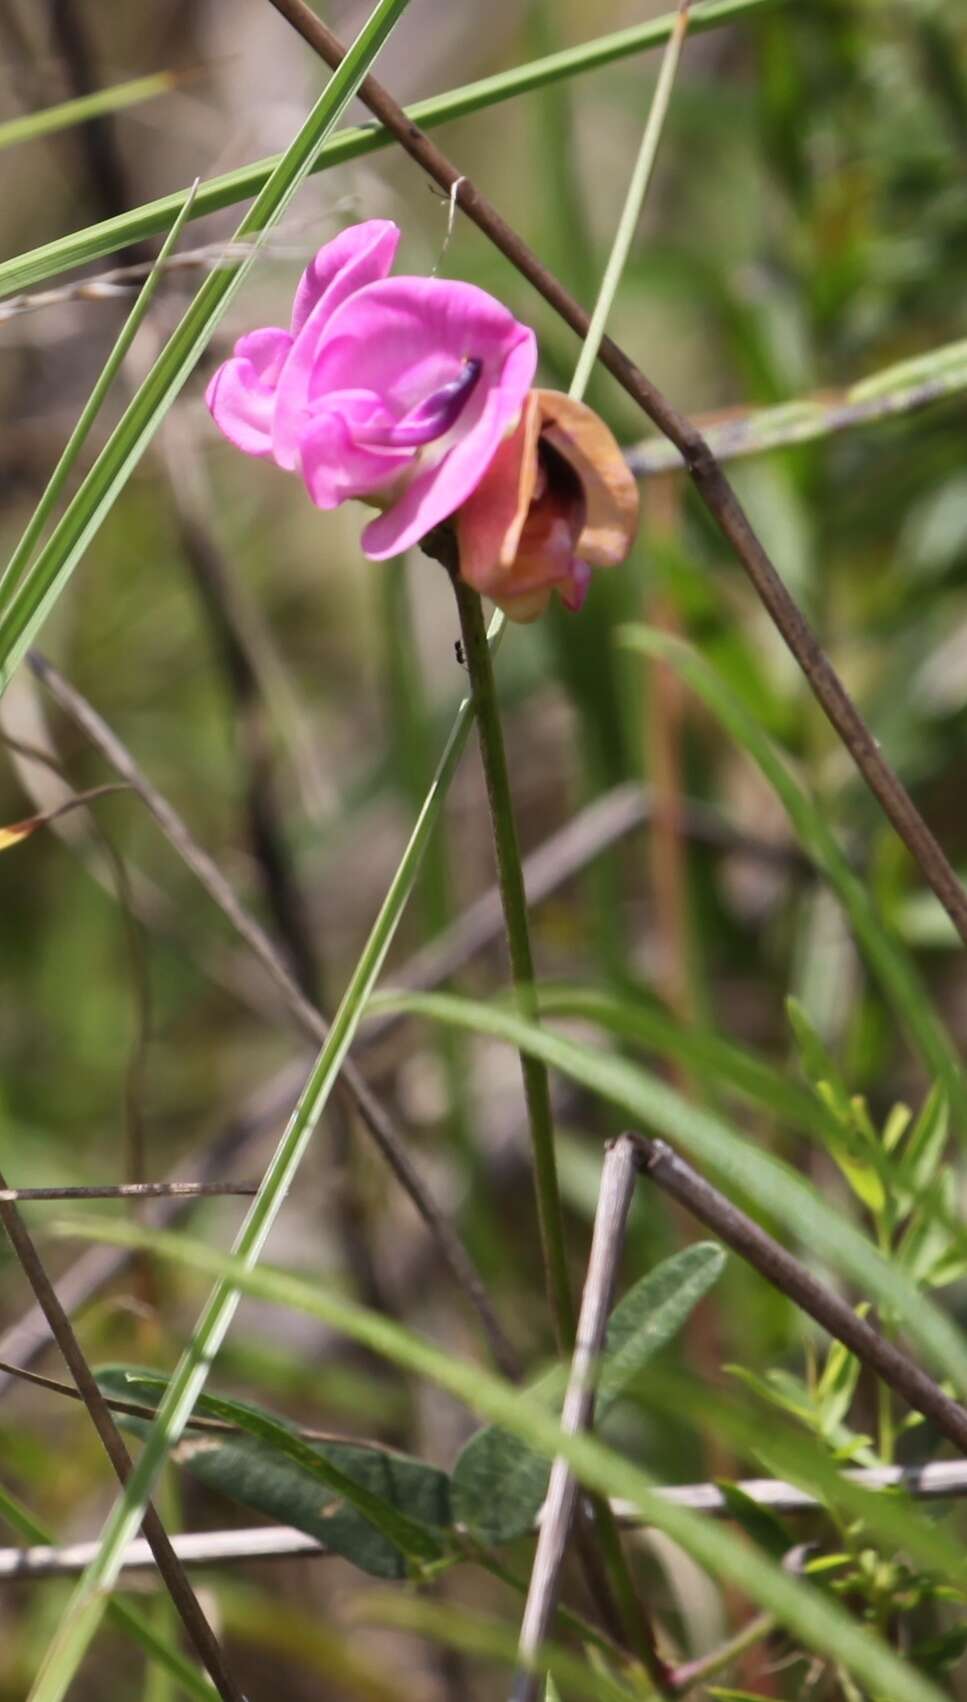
[{"x": 396, "y": 391}]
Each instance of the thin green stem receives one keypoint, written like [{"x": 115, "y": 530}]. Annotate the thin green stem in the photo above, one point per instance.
[
  {"x": 634, "y": 200},
  {"x": 511, "y": 881},
  {"x": 75, "y": 443},
  {"x": 70, "y": 112}
]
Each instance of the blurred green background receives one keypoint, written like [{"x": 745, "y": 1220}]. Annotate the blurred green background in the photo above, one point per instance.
[{"x": 806, "y": 228}]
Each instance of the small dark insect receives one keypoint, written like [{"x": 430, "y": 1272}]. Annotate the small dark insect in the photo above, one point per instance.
[{"x": 458, "y": 652}]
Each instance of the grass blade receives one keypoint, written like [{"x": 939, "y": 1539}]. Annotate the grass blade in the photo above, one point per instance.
[
  {"x": 70, "y": 112},
  {"x": 812, "y": 1617},
  {"x": 30, "y": 602},
  {"x": 78, "y": 436},
  {"x": 738, "y": 1165},
  {"x": 110, "y": 235},
  {"x": 888, "y": 960}
]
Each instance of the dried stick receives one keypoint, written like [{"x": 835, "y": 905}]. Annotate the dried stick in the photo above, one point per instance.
[
  {"x": 310, "y": 1020},
  {"x": 26, "y": 1339},
  {"x": 127, "y": 1191},
  {"x": 710, "y": 482},
  {"x": 618, "y": 1179},
  {"x": 943, "y": 1480},
  {"x": 169, "y": 1566},
  {"x": 676, "y": 1178},
  {"x": 138, "y": 1409}
]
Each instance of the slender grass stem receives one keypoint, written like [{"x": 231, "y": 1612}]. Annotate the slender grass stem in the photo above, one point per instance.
[
  {"x": 510, "y": 879},
  {"x": 634, "y": 201}
]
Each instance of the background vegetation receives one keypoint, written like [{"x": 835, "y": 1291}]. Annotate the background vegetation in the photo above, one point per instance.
[{"x": 753, "y": 958}]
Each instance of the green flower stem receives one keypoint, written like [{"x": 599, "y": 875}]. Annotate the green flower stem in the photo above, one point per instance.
[{"x": 511, "y": 881}]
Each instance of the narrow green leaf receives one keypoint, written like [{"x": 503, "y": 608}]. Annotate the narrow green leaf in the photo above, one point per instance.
[
  {"x": 78, "y": 437},
  {"x": 887, "y": 958},
  {"x": 777, "y": 1190},
  {"x": 70, "y": 112},
  {"x": 809, "y": 1615},
  {"x": 646, "y": 1024},
  {"x": 924, "y": 1146},
  {"x": 395, "y": 1507},
  {"x": 499, "y": 1482}
]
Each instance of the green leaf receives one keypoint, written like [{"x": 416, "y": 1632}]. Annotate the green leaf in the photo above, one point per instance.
[
  {"x": 498, "y": 1482},
  {"x": 888, "y": 960},
  {"x": 737, "y": 1164},
  {"x": 924, "y": 1147},
  {"x": 379, "y": 1509},
  {"x": 652, "y": 1313},
  {"x": 837, "y": 1386},
  {"x": 809, "y": 1615}
]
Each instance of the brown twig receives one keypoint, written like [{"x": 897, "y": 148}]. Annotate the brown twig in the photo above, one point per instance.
[
  {"x": 710, "y": 482},
  {"x": 139, "y": 1409},
  {"x": 167, "y": 1562},
  {"x": 309, "y": 1019},
  {"x": 677, "y": 1178},
  {"x": 618, "y": 1178},
  {"x": 25, "y": 1340}
]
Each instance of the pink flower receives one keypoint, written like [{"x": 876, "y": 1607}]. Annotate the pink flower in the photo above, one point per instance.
[
  {"x": 395, "y": 391},
  {"x": 556, "y": 500}
]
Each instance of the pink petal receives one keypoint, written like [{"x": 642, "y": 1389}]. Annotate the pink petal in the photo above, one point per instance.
[
  {"x": 404, "y": 338},
  {"x": 356, "y": 256},
  {"x": 335, "y": 466},
  {"x": 361, "y": 255},
  {"x": 241, "y": 395}
]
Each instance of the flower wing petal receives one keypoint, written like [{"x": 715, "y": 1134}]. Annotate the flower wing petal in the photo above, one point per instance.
[{"x": 241, "y": 394}]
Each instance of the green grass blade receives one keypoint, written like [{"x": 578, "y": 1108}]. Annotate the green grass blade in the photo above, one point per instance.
[
  {"x": 737, "y": 1164},
  {"x": 97, "y": 241},
  {"x": 128, "y": 1619},
  {"x": 898, "y": 389},
  {"x": 71, "y": 112},
  {"x": 646, "y": 1024},
  {"x": 809, "y": 1615},
  {"x": 886, "y": 957},
  {"x": 31, "y": 600},
  {"x": 631, "y": 210},
  {"x": 22, "y": 618},
  {"x": 78, "y": 436}
]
